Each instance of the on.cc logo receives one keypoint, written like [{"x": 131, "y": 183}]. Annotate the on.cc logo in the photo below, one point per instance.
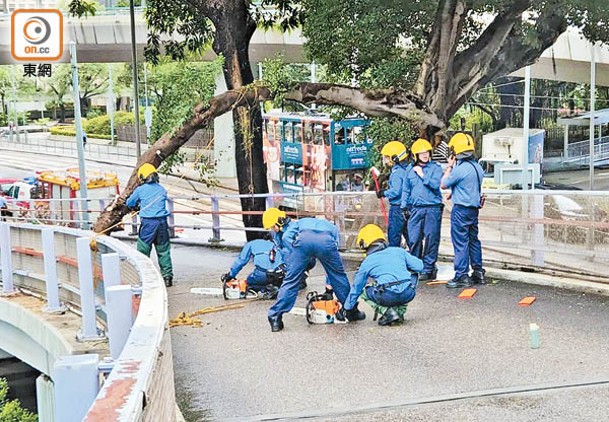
[{"x": 37, "y": 35}]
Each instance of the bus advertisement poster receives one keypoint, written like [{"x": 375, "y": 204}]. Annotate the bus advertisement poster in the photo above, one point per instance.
[
  {"x": 293, "y": 202},
  {"x": 351, "y": 156},
  {"x": 291, "y": 152},
  {"x": 316, "y": 162}
]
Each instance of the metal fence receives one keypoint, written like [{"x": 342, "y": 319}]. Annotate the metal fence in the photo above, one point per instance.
[
  {"x": 579, "y": 152},
  {"x": 567, "y": 230},
  {"x": 94, "y": 150}
]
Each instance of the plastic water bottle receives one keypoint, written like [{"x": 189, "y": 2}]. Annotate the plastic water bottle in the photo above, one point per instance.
[{"x": 534, "y": 336}]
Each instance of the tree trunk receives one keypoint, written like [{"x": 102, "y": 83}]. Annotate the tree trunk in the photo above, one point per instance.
[
  {"x": 247, "y": 121},
  {"x": 62, "y": 113}
]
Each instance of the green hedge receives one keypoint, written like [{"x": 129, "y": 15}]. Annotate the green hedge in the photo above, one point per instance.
[
  {"x": 71, "y": 131},
  {"x": 101, "y": 124}
]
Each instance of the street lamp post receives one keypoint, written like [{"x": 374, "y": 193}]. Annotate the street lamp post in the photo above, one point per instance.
[
  {"x": 136, "y": 96},
  {"x": 82, "y": 174}
]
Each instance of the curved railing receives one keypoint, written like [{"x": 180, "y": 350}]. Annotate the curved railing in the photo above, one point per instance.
[{"x": 120, "y": 301}]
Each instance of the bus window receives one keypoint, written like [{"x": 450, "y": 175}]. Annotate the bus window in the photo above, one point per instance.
[
  {"x": 308, "y": 133},
  {"x": 358, "y": 135},
  {"x": 318, "y": 135},
  {"x": 299, "y": 174},
  {"x": 270, "y": 131},
  {"x": 297, "y": 133},
  {"x": 339, "y": 135},
  {"x": 287, "y": 132}
]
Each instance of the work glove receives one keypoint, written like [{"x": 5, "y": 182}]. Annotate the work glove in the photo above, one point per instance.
[
  {"x": 406, "y": 212},
  {"x": 226, "y": 277},
  {"x": 380, "y": 193}
]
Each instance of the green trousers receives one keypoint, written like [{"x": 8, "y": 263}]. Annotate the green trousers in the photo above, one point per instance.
[
  {"x": 378, "y": 309},
  {"x": 163, "y": 254}
]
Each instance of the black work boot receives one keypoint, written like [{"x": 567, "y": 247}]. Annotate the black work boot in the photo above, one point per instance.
[
  {"x": 390, "y": 316},
  {"x": 270, "y": 292},
  {"x": 463, "y": 281},
  {"x": 428, "y": 276},
  {"x": 354, "y": 314},
  {"x": 168, "y": 281},
  {"x": 276, "y": 323},
  {"x": 303, "y": 281},
  {"x": 478, "y": 276}
]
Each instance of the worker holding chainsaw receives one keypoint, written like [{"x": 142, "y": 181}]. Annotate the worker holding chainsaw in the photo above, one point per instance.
[
  {"x": 394, "y": 275},
  {"x": 395, "y": 155},
  {"x": 151, "y": 198},
  {"x": 463, "y": 175},
  {"x": 421, "y": 195},
  {"x": 301, "y": 241},
  {"x": 269, "y": 269}
]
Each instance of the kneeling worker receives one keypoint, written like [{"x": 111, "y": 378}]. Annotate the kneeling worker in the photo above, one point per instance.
[
  {"x": 151, "y": 197},
  {"x": 395, "y": 275},
  {"x": 299, "y": 241},
  {"x": 269, "y": 270}
]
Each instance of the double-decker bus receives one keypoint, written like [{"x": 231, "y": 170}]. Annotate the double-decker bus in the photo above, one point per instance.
[{"x": 314, "y": 153}]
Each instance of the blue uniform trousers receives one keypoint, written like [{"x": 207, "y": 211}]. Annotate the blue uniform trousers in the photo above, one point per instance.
[
  {"x": 464, "y": 235},
  {"x": 257, "y": 279},
  {"x": 310, "y": 244},
  {"x": 424, "y": 227},
  {"x": 390, "y": 298},
  {"x": 397, "y": 226}
]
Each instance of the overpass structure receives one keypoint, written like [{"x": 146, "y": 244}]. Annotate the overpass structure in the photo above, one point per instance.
[
  {"x": 106, "y": 38},
  {"x": 91, "y": 316}
]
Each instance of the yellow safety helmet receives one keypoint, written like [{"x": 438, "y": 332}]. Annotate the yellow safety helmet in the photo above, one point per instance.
[
  {"x": 461, "y": 142},
  {"x": 145, "y": 170},
  {"x": 272, "y": 217},
  {"x": 419, "y": 146},
  {"x": 394, "y": 150},
  {"x": 369, "y": 234}
]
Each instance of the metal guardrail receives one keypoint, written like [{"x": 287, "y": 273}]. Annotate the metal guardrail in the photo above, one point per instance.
[
  {"x": 29, "y": 142},
  {"x": 579, "y": 152},
  {"x": 119, "y": 295},
  {"x": 547, "y": 229}
]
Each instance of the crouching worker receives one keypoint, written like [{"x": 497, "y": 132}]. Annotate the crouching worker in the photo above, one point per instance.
[
  {"x": 394, "y": 274},
  {"x": 269, "y": 268},
  {"x": 300, "y": 241},
  {"x": 151, "y": 198}
]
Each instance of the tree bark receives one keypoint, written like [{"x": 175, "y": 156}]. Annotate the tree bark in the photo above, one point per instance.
[{"x": 247, "y": 120}]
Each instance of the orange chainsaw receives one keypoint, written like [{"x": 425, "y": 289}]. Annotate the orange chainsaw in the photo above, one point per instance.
[{"x": 322, "y": 308}]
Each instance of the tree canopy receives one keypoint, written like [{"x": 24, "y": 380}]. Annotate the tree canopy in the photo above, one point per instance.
[{"x": 414, "y": 60}]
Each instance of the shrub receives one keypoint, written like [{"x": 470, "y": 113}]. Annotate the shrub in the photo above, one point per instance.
[
  {"x": 11, "y": 410},
  {"x": 101, "y": 124}
]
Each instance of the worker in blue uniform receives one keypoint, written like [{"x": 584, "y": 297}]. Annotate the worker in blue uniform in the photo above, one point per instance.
[
  {"x": 151, "y": 198},
  {"x": 269, "y": 269},
  {"x": 300, "y": 241},
  {"x": 463, "y": 175},
  {"x": 394, "y": 275},
  {"x": 421, "y": 195},
  {"x": 395, "y": 156}
]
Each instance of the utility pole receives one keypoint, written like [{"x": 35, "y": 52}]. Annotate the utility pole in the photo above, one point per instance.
[
  {"x": 526, "y": 131},
  {"x": 82, "y": 174},
  {"x": 592, "y": 110},
  {"x": 136, "y": 96},
  {"x": 111, "y": 103}
]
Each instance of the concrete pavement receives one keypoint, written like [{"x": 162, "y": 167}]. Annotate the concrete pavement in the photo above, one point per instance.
[{"x": 453, "y": 359}]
